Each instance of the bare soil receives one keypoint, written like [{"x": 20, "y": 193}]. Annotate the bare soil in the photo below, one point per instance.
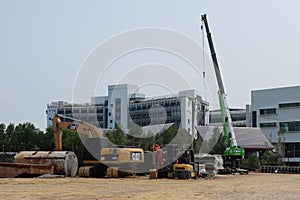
[{"x": 252, "y": 186}]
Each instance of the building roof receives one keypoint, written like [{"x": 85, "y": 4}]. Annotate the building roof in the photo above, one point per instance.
[{"x": 248, "y": 138}]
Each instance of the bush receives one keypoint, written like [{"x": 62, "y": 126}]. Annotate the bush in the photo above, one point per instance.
[{"x": 252, "y": 162}]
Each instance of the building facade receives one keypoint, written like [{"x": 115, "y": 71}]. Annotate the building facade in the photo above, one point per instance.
[
  {"x": 274, "y": 109},
  {"x": 125, "y": 106},
  {"x": 89, "y": 112},
  {"x": 238, "y": 117},
  {"x": 176, "y": 109}
]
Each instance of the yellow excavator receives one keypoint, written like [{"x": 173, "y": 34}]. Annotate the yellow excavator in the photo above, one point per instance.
[{"x": 101, "y": 157}]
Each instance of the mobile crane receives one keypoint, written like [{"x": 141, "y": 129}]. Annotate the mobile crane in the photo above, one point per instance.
[{"x": 233, "y": 153}]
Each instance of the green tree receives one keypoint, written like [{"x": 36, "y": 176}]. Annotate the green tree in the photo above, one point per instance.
[
  {"x": 46, "y": 140},
  {"x": 9, "y": 133},
  {"x": 73, "y": 141},
  {"x": 26, "y": 136},
  {"x": 280, "y": 146},
  {"x": 116, "y": 136},
  {"x": 2, "y": 131},
  {"x": 147, "y": 141},
  {"x": 271, "y": 158},
  {"x": 216, "y": 144},
  {"x": 220, "y": 146},
  {"x": 134, "y": 135},
  {"x": 275, "y": 157},
  {"x": 166, "y": 136},
  {"x": 252, "y": 162}
]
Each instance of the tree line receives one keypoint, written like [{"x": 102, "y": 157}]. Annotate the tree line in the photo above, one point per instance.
[{"x": 26, "y": 137}]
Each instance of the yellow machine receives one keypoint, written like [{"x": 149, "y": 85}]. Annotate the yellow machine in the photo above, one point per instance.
[
  {"x": 186, "y": 167},
  {"x": 101, "y": 158},
  {"x": 184, "y": 171}
]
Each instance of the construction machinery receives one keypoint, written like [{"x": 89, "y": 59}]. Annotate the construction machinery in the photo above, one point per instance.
[
  {"x": 172, "y": 162},
  {"x": 101, "y": 158},
  {"x": 185, "y": 167},
  {"x": 233, "y": 153}
]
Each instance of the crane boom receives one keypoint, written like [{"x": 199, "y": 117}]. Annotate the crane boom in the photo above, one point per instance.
[
  {"x": 229, "y": 133},
  {"x": 226, "y": 117},
  {"x": 213, "y": 55}
]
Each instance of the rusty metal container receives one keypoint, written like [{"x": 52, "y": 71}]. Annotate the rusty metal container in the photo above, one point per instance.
[
  {"x": 11, "y": 170},
  {"x": 64, "y": 162}
]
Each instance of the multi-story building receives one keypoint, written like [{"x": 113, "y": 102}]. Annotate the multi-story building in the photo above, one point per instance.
[
  {"x": 238, "y": 117},
  {"x": 125, "y": 106},
  {"x": 89, "y": 112},
  {"x": 176, "y": 109},
  {"x": 273, "y": 109}
]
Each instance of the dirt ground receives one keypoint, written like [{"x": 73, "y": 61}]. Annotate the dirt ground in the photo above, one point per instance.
[{"x": 252, "y": 186}]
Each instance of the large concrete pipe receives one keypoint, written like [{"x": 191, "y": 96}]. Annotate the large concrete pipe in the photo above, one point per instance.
[{"x": 64, "y": 162}]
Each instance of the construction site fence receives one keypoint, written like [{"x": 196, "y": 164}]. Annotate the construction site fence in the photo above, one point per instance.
[{"x": 280, "y": 169}]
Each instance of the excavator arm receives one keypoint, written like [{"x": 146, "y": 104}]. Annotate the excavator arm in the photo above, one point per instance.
[{"x": 78, "y": 126}]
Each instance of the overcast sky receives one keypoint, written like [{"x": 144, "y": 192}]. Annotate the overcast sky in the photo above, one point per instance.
[{"x": 44, "y": 43}]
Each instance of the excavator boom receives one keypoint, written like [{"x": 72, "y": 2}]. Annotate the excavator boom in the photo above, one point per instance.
[{"x": 78, "y": 126}]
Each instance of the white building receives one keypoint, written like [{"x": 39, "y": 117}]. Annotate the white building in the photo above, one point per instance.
[
  {"x": 124, "y": 106},
  {"x": 272, "y": 109}
]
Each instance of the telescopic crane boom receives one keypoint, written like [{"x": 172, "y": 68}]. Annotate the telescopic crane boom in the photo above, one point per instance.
[{"x": 229, "y": 133}]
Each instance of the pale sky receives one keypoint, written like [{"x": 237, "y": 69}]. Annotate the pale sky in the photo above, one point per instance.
[{"x": 44, "y": 43}]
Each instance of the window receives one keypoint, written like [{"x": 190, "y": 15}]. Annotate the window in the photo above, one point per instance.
[
  {"x": 99, "y": 110},
  {"x": 265, "y": 125},
  {"x": 118, "y": 110},
  {"x": 290, "y": 126},
  {"x": 267, "y": 111},
  {"x": 289, "y": 105},
  {"x": 254, "y": 119},
  {"x": 292, "y": 150}
]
